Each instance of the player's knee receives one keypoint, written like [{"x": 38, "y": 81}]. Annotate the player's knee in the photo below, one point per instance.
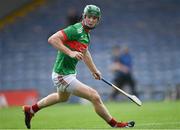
[
  {"x": 63, "y": 100},
  {"x": 95, "y": 98}
]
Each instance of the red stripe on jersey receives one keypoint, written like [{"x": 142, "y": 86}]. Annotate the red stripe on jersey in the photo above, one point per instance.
[
  {"x": 64, "y": 35},
  {"x": 77, "y": 45}
]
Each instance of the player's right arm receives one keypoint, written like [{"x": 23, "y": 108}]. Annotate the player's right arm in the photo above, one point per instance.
[{"x": 57, "y": 40}]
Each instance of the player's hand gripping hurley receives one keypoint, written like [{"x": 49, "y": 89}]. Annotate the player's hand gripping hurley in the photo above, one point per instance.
[{"x": 131, "y": 97}]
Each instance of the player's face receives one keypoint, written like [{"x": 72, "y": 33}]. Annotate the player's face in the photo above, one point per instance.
[{"x": 91, "y": 20}]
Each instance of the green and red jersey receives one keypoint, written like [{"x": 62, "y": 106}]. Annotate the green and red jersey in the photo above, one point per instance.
[{"x": 76, "y": 39}]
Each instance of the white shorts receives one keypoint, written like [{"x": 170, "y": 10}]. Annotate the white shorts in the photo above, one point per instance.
[{"x": 64, "y": 83}]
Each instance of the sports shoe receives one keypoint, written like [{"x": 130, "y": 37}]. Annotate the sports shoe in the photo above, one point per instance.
[
  {"x": 125, "y": 124},
  {"x": 28, "y": 116}
]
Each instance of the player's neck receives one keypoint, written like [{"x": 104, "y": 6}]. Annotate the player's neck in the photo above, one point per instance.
[{"x": 84, "y": 26}]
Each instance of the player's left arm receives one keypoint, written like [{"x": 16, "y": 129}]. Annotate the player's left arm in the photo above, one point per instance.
[{"x": 90, "y": 64}]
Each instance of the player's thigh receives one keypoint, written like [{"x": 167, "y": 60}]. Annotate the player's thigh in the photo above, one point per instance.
[
  {"x": 82, "y": 90},
  {"x": 120, "y": 82},
  {"x": 130, "y": 80}
]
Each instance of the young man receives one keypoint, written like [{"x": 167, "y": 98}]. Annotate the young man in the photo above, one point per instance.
[{"x": 72, "y": 45}]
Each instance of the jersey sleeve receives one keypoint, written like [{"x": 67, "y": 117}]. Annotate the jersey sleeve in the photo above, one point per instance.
[{"x": 70, "y": 33}]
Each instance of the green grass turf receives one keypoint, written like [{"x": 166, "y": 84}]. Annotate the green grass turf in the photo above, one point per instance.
[{"x": 152, "y": 115}]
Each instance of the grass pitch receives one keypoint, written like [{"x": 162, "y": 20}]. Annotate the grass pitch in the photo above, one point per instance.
[{"x": 154, "y": 115}]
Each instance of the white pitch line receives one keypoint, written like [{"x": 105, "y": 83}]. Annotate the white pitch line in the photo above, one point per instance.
[{"x": 150, "y": 124}]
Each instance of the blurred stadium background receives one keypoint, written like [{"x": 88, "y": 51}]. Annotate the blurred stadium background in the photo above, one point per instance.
[{"x": 150, "y": 28}]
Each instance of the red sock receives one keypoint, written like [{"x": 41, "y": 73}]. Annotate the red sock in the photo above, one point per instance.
[
  {"x": 35, "y": 108},
  {"x": 112, "y": 122}
]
